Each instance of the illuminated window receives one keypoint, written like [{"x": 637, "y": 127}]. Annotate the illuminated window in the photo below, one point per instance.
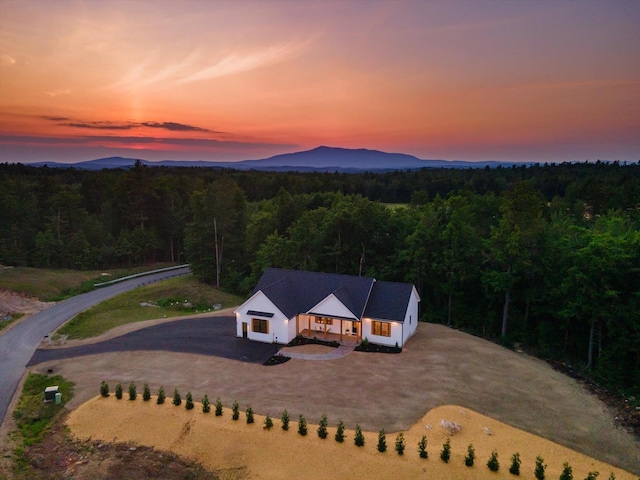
[
  {"x": 259, "y": 326},
  {"x": 381, "y": 328},
  {"x": 323, "y": 320}
]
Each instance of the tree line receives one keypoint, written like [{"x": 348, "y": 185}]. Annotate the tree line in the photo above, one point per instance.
[{"x": 546, "y": 255}]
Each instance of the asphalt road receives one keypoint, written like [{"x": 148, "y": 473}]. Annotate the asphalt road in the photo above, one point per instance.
[
  {"x": 215, "y": 336},
  {"x": 18, "y": 344}
]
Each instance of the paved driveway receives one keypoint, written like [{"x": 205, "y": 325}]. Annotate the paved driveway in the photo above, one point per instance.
[
  {"x": 213, "y": 336},
  {"x": 18, "y": 342}
]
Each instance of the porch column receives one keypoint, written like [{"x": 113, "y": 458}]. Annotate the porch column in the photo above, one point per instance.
[
  {"x": 297, "y": 325},
  {"x": 340, "y": 330}
]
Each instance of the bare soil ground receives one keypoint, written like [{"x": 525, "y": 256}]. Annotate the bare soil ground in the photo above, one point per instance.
[
  {"x": 12, "y": 302},
  {"x": 60, "y": 455},
  {"x": 238, "y": 451},
  {"x": 439, "y": 366}
]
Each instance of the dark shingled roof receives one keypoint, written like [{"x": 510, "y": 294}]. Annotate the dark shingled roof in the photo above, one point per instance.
[
  {"x": 296, "y": 291},
  {"x": 388, "y": 301}
]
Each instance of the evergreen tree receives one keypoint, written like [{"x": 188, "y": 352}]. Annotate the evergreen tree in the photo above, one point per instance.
[
  {"x": 146, "y": 393},
  {"x": 249, "y": 414},
  {"x": 177, "y": 399},
  {"x": 104, "y": 389},
  {"x": 514, "y": 469},
  {"x": 235, "y": 408},
  {"x": 382, "y": 441},
  {"x": 219, "y": 409},
  {"x": 445, "y": 454},
  {"x": 493, "y": 463},
  {"x": 358, "y": 439},
  {"x": 161, "y": 396},
  {"x": 567, "y": 473},
  {"x": 268, "y": 422},
  {"x": 285, "y": 420},
  {"x": 322, "y": 427},
  {"x": 133, "y": 394},
  {"x": 422, "y": 447},
  {"x": 471, "y": 456},
  {"x": 340, "y": 432},
  {"x": 540, "y": 468},
  {"x": 400, "y": 444},
  {"x": 119, "y": 391},
  {"x": 189, "y": 403},
  {"x": 206, "y": 405},
  {"x": 302, "y": 426}
]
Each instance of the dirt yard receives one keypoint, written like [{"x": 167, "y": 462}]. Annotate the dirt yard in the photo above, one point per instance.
[
  {"x": 236, "y": 450},
  {"x": 12, "y": 302},
  {"x": 439, "y": 366}
]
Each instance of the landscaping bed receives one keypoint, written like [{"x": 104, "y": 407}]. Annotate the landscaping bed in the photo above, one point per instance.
[
  {"x": 299, "y": 340},
  {"x": 276, "y": 360},
  {"x": 371, "y": 347}
]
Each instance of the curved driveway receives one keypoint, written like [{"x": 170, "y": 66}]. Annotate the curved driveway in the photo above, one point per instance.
[
  {"x": 19, "y": 342},
  {"x": 214, "y": 336}
]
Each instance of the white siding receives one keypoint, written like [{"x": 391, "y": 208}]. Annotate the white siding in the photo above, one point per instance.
[
  {"x": 396, "y": 333},
  {"x": 279, "y": 328},
  {"x": 411, "y": 317},
  {"x": 400, "y": 331},
  {"x": 332, "y": 307}
]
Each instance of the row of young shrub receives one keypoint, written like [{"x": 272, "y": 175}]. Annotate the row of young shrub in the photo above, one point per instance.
[
  {"x": 494, "y": 465},
  {"x": 400, "y": 443}
]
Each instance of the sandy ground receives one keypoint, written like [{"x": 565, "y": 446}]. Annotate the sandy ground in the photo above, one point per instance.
[
  {"x": 238, "y": 450},
  {"x": 439, "y": 366}
]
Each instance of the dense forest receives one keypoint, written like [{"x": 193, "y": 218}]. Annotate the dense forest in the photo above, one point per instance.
[{"x": 545, "y": 255}]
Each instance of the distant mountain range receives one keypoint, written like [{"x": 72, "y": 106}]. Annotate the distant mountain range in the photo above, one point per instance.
[{"x": 321, "y": 159}]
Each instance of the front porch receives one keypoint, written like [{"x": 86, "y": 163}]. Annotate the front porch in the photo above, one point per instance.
[
  {"x": 330, "y": 337},
  {"x": 341, "y": 330}
]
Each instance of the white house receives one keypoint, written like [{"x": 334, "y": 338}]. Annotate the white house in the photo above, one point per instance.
[{"x": 287, "y": 303}]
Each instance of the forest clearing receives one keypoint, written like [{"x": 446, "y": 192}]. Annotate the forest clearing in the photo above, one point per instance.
[{"x": 439, "y": 366}]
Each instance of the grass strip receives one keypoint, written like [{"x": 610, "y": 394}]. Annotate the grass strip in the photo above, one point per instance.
[
  {"x": 171, "y": 298},
  {"x": 32, "y": 415},
  {"x": 53, "y": 285}
]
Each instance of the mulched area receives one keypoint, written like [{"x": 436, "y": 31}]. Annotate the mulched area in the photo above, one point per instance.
[
  {"x": 298, "y": 341},
  {"x": 276, "y": 360},
  {"x": 370, "y": 347}
]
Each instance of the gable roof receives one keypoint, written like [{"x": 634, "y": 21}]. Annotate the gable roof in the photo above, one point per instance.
[
  {"x": 389, "y": 301},
  {"x": 297, "y": 291}
]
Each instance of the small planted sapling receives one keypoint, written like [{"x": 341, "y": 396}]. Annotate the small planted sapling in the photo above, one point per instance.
[
  {"x": 422, "y": 447},
  {"x": 400, "y": 444}
]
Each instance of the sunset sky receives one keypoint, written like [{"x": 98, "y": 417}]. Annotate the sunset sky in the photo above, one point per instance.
[{"x": 544, "y": 81}]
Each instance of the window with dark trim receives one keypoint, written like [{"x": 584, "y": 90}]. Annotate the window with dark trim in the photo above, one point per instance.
[
  {"x": 259, "y": 326},
  {"x": 324, "y": 320},
  {"x": 381, "y": 328}
]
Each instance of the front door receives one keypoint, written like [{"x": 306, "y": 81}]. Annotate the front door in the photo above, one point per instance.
[
  {"x": 245, "y": 327},
  {"x": 354, "y": 328}
]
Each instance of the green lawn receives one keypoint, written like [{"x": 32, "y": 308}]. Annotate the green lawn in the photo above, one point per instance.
[
  {"x": 55, "y": 285},
  {"x": 168, "y": 298},
  {"x": 32, "y": 415}
]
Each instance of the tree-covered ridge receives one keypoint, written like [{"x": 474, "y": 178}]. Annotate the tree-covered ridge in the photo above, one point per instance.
[{"x": 547, "y": 255}]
